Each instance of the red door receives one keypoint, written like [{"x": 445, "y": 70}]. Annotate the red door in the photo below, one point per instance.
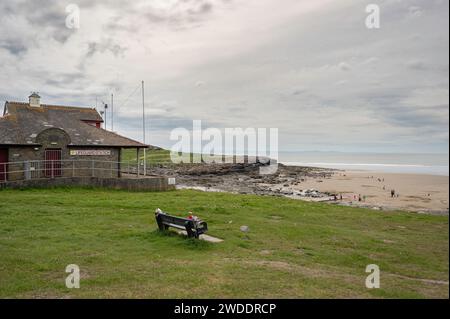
[
  {"x": 52, "y": 163},
  {"x": 3, "y": 165}
]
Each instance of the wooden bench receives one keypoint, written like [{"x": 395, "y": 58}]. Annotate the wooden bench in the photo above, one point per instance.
[{"x": 194, "y": 228}]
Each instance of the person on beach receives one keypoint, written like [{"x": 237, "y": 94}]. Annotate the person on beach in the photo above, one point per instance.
[{"x": 392, "y": 193}]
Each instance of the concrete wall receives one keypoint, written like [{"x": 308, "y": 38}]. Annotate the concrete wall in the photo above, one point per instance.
[{"x": 144, "y": 184}]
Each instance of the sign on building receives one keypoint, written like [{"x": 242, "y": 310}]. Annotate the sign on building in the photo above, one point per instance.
[{"x": 90, "y": 152}]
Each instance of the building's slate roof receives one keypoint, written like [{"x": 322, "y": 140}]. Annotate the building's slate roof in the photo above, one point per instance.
[{"x": 21, "y": 124}]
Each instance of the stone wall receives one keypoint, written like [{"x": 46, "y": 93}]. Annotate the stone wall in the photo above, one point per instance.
[
  {"x": 19, "y": 154},
  {"x": 71, "y": 165},
  {"x": 104, "y": 166},
  {"x": 130, "y": 184}
]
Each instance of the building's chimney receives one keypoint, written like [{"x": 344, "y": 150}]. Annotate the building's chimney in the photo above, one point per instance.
[{"x": 35, "y": 100}]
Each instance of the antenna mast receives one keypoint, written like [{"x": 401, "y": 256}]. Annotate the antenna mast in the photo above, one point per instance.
[
  {"x": 143, "y": 128},
  {"x": 112, "y": 112}
]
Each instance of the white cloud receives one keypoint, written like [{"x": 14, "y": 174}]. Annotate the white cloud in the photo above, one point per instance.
[
  {"x": 428, "y": 97},
  {"x": 310, "y": 68}
]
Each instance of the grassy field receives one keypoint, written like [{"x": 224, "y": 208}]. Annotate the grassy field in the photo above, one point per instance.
[
  {"x": 153, "y": 156},
  {"x": 294, "y": 249}
]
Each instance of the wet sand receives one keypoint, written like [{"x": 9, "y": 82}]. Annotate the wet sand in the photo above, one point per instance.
[{"x": 416, "y": 192}]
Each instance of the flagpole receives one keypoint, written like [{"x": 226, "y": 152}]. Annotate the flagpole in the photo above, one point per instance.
[
  {"x": 112, "y": 112},
  {"x": 143, "y": 128}
]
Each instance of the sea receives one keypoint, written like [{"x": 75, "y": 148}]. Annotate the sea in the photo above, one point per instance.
[{"x": 433, "y": 164}]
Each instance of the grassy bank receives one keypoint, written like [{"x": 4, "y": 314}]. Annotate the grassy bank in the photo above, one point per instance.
[
  {"x": 157, "y": 156},
  {"x": 294, "y": 249},
  {"x": 153, "y": 156}
]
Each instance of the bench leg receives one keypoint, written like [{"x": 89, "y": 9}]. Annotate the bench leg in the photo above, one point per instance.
[
  {"x": 189, "y": 231},
  {"x": 161, "y": 226}
]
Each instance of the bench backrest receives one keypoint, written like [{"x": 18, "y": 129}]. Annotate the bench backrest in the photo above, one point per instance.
[
  {"x": 174, "y": 220},
  {"x": 193, "y": 228}
]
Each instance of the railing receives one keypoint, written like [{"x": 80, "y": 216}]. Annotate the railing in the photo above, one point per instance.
[{"x": 28, "y": 170}]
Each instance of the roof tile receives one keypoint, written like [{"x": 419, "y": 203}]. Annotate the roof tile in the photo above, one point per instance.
[{"x": 23, "y": 123}]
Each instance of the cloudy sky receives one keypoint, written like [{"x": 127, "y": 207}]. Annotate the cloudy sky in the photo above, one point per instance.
[{"x": 310, "y": 68}]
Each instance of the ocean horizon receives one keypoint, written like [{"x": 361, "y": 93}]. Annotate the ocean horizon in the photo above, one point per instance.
[{"x": 407, "y": 163}]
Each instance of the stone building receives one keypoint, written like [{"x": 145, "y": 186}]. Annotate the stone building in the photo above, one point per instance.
[{"x": 49, "y": 141}]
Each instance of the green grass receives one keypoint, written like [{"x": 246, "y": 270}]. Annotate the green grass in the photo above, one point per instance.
[
  {"x": 294, "y": 249},
  {"x": 153, "y": 156}
]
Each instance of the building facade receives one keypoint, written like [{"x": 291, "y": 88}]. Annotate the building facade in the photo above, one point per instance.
[{"x": 50, "y": 141}]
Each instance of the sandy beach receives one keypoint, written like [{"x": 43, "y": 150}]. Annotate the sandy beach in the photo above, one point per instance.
[{"x": 414, "y": 192}]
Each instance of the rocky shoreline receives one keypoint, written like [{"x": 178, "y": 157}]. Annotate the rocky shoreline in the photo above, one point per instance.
[
  {"x": 288, "y": 181},
  {"x": 245, "y": 179}
]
